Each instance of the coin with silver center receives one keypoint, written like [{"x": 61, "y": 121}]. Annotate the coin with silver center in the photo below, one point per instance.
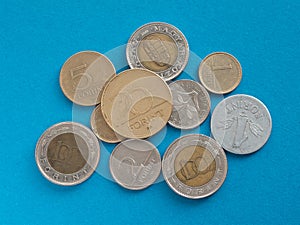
[
  {"x": 159, "y": 47},
  {"x": 135, "y": 164},
  {"x": 241, "y": 124},
  {"x": 191, "y": 104},
  {"x": 194, "y": 166},
  {"x": 67, "y": 153}
]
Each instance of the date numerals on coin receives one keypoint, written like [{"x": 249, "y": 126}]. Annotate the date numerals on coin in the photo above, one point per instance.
[{"x": 81, "y": 79}]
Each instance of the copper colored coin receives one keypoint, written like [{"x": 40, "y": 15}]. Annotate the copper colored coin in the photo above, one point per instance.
[
  {"x": 83, "y": 76},
  {"x": 137, "y": 103},
  {"x": 220, "y": 72},
  {"x": 101, "y": 128}
]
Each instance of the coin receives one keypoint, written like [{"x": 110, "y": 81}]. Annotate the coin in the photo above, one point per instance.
[
  {"x": 241, "y": 124},
  {"x": 137, "y": 103},
  {"x": 67, "y": 153},
  {"x": 101, "y": 128},
  {"x": 220, "y": 72},
  {"x": 83, "y": 76},
  {"x": 194, "y": 166},
  {"x": 191, "y": 104},
  {"x": 135, "y": 164},
  {"x": 159, "y": 47}
]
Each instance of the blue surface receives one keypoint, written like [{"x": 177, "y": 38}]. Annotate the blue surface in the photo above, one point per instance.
[{"x": 36, "y": 37}]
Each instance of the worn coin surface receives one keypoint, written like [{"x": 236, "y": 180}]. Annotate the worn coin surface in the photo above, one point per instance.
[
  {"x": 241, "y": 124},
  {"x": 101, "y": 128},
  {"x": 159, "y": 47},
  {"x": 220, "y": 72},
  {"x": 83, "y": 76},
  {"x": 191, "y": 104},
  {"x": 194, "y": 166},
  {"x": 137, "y": 103},
  {"x": 67, "y": 153},
  {"x": 135, "y": 164}
]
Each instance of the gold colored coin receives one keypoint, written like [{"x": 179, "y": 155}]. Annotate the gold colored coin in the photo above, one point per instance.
[
  {"x": 137, "y": 103},
  {"x": 101, "y": 128},
  {"x": 195, "y": 166},
  {"x": 84, "y": 75},
  {"x": 220, "y": 72}
]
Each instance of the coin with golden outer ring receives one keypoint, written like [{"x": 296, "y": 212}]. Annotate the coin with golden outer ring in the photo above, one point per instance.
[
  {"x": 137, "y": 103},
  {"x": 220, "y": 72},
  {"x": 67, "y": 153},
  {"x": 194, "y": 166},
  {"x": 159, "y": 47},
  {"x": 83, "y": 76},
  {"x": 101, "y": 128}
]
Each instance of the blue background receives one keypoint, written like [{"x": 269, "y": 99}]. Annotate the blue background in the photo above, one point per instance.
[{"x": 36, "y": 37}]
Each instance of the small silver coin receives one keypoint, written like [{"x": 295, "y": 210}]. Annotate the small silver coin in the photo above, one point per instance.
[
  {"x": 241, "y": 123},
  {"x": 67, "y": 153},
  {"x": 191, "y": 104},
  {"x": 159, "y": 47},
  {"x": 194, "y": 166},
  {"x": 135, "y": 164}
]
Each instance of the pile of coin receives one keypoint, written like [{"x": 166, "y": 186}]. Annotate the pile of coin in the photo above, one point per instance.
[{"x": 138, "y": 102}]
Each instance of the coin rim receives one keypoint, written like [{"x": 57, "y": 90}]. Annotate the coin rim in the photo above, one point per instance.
[
  {"x": 38, "y": 149},
  {"x": 263, "y": 106},
  {"x": 154, "y": 178},
  {"x": 200, "y": 121},
  {"x": 221, "y": 151},
  {"x": 184, "y": 64},
  {"x": 200, "y": 74},
  {"x": 60, "y": 76},
  {"x": 104, "y": 90},
  {"x": 111, "y": 141}
]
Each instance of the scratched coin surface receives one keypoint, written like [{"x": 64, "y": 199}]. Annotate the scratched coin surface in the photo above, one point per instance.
[
  {"x": 159, "y": 47},
  {"x": 220, "y": 72},
  {"x": 135, "y": 164},
  {"x": 194, "y": 166},
  {"x": 67, "y": 153},
  {"x": 191, "y": 104},
  {"x": 137, "y": 103},
  {"x": 101, "y": 128},
  {"x": 83, "y": 76},
  {"x": 241, "y": 124}
]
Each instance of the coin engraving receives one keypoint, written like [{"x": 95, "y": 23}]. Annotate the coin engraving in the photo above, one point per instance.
[
  {"x": 241, "y": 124},
  {"x": 191, "y": 104},
  {"x": 159, "y": 47},
  {"x": 194, "y": 166},
  {"x": 220, "y": 72},
  {"x": 135, "y": 164},
  {"x": 67, "y": 153},
  {"x": 84, "y": 75}
]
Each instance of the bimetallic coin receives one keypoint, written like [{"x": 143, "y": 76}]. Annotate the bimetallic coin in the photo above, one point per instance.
[
  {"x": 67, "y": 153},
  {"x": 159, "y": 47},
  {"x": 101, "y": 128},
  {"x": 135, "y": 164},
  {"x": 137, "y": 103},
  {"x": 191, "y": 104},
  {"x": 194, "y": 166},
  {"x": 220, "y": 72},
  {"x": 241, "y": 124},
  {"x": 84, "y": 75}
]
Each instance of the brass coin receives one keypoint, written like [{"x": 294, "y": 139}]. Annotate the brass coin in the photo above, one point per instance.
[
  {"x": 83, "y": 76},
  {"x": 220, "y": 72},
  {"x": 137, "y": 103},
  {"x": 101, "y": 128}
]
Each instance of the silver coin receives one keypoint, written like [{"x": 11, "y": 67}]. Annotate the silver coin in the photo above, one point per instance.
[
  {"x": 67, "y": 153},
  {"x": 241, "y": 124},
  {"x": 191, "y": 104},
  {"x": 194, "y": 166},
  {"x": 135, "y": 164},
  {"x": 159, "y": 47}
]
